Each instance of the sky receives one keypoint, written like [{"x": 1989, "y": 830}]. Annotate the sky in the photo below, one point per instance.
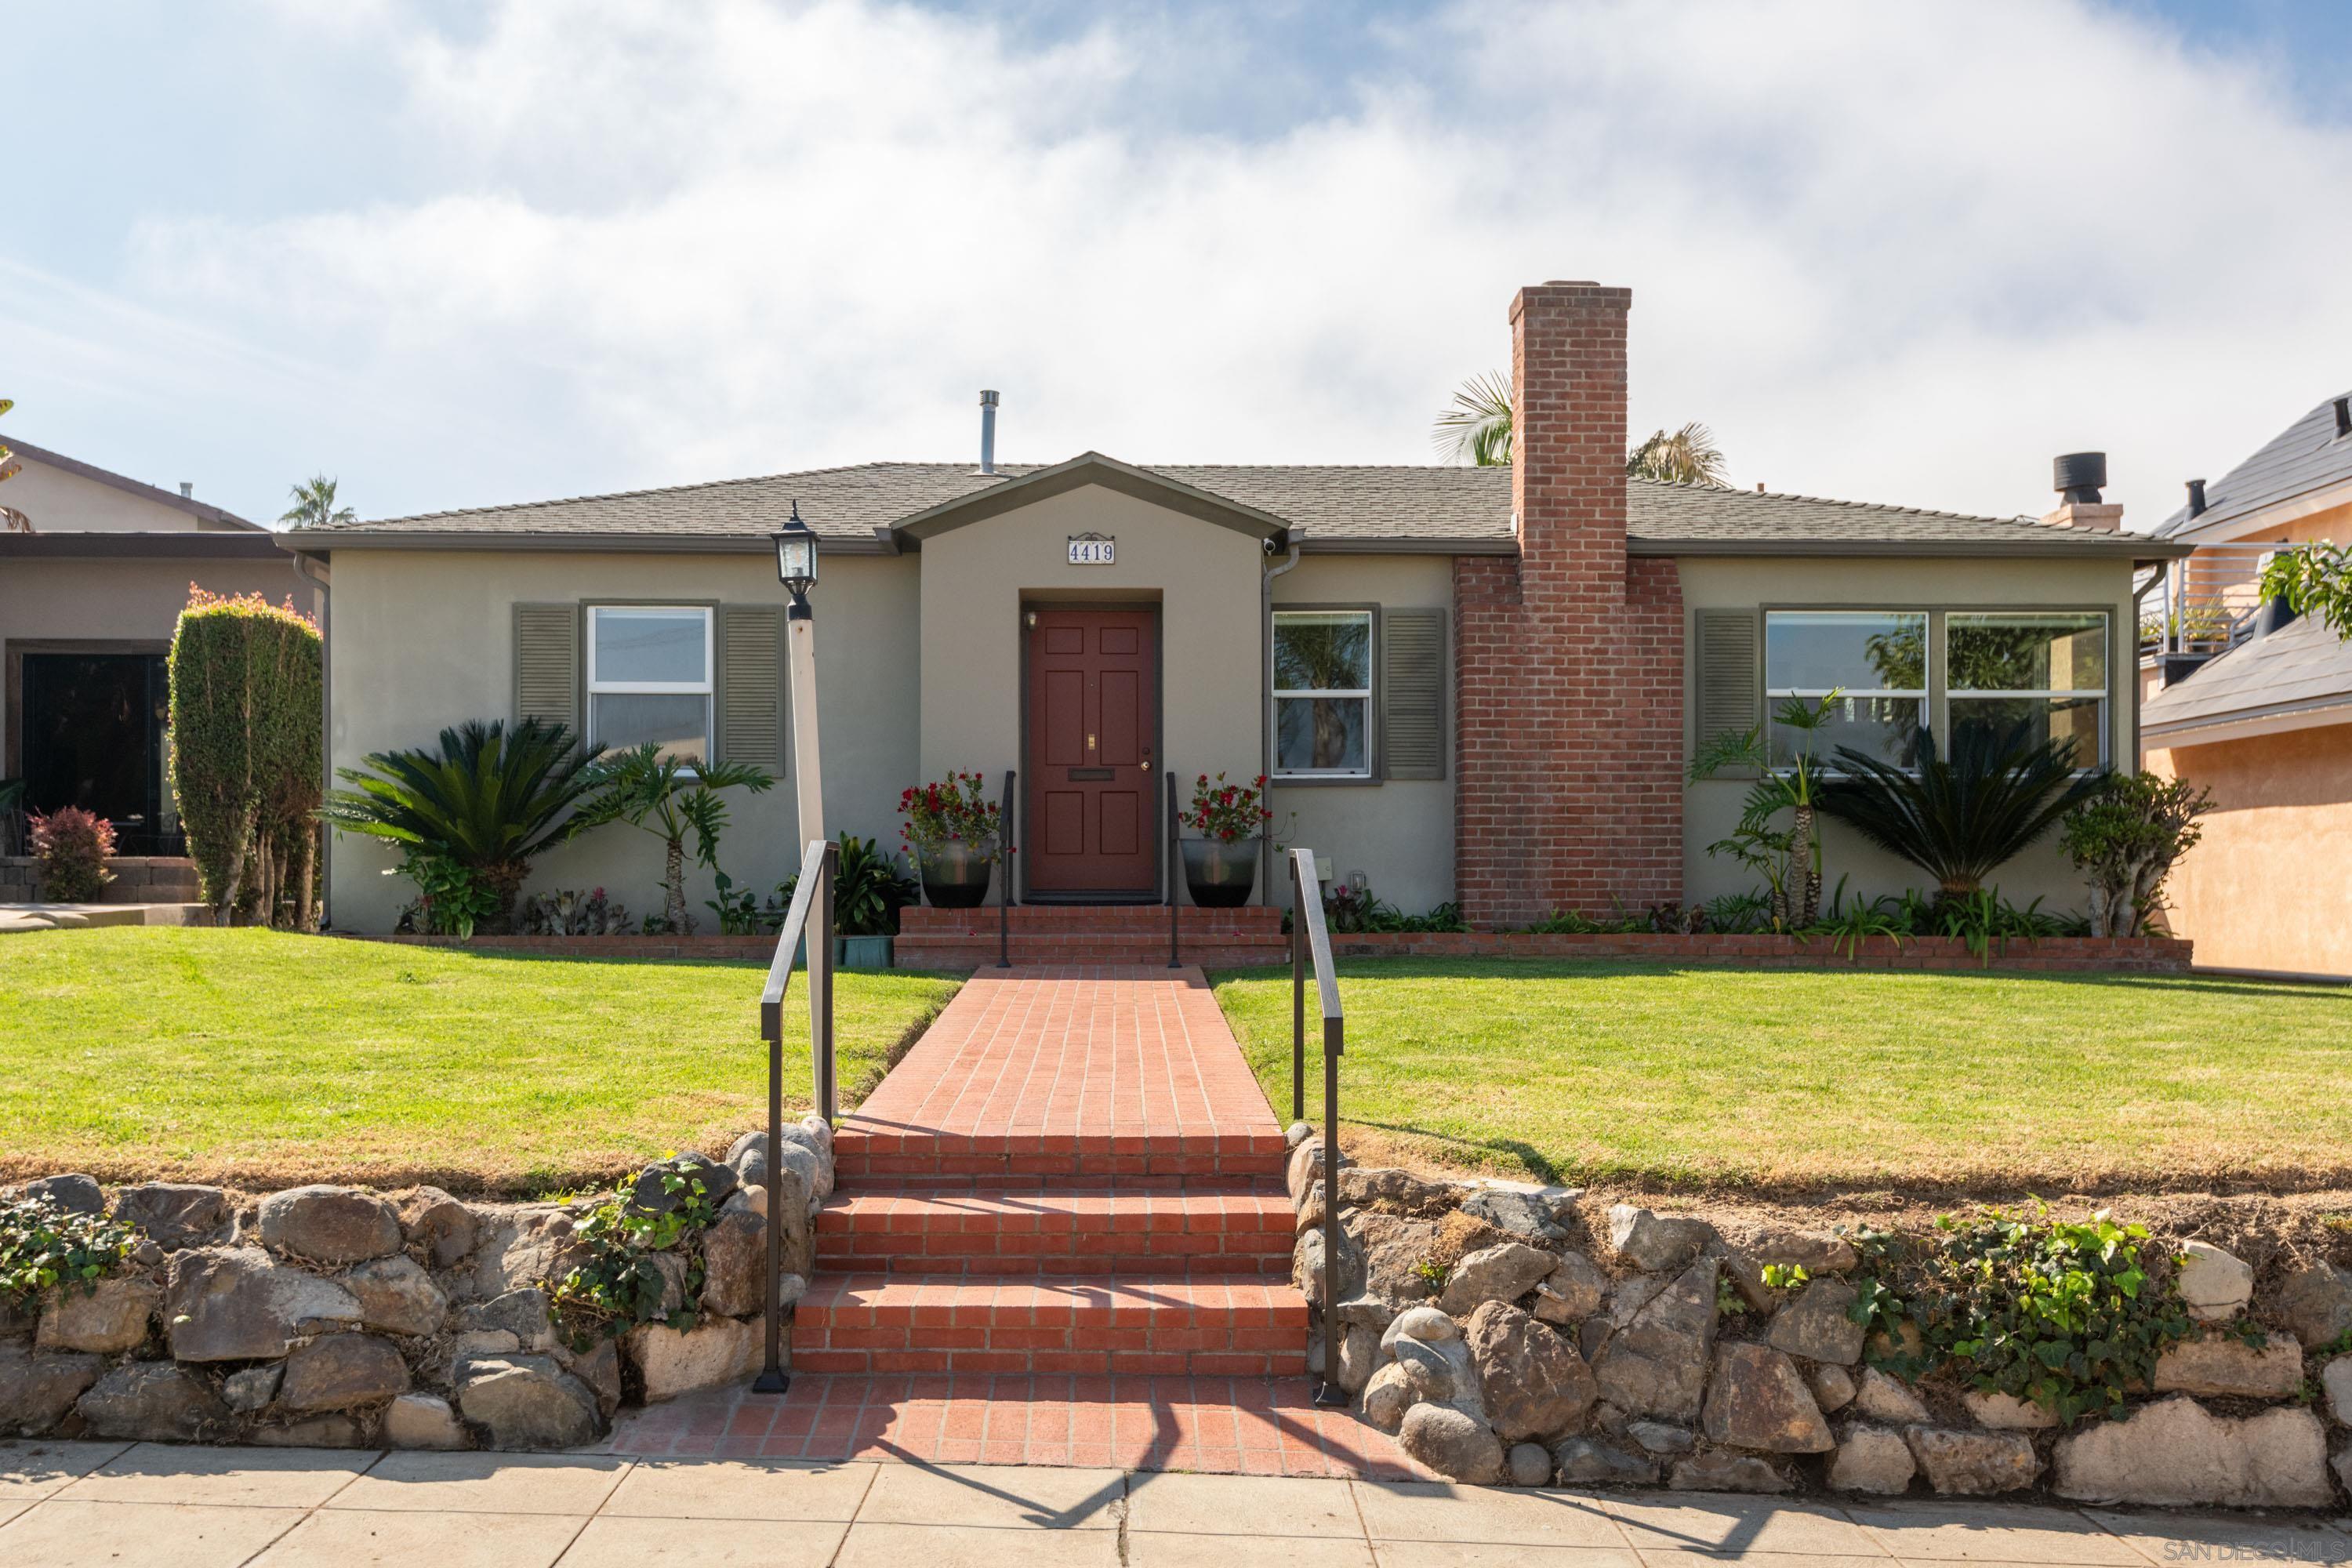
[{"x": 457, "y": 253}]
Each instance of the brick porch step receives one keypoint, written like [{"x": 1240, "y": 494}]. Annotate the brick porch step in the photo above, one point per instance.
[
  {"x": 1115, "y": 1324},
  {"x": 1117, "y": 934},
  {"x": 868, "y": 1155},
  {"x": 1220, "y": 1230}
]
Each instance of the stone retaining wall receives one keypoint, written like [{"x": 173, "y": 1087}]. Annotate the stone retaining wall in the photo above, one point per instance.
[
  {"x": 1661, "y": 1358},
  {"x": 338, "y": 1317},
  {"x": 138, "y": 879}
]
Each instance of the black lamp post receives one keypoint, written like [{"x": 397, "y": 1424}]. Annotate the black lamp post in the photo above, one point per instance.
[{"x": 796, "y": 561}]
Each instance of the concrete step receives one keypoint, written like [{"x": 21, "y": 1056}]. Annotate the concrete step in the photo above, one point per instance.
[
  {"x": 874, "y": 1158},
  {"x": 1220, "y": 1231}
]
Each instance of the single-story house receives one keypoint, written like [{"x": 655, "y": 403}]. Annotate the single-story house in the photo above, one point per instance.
[
  {"x": 1480, "y": 685},
  {"x": 2256, "y": 705},
  {"x": 90, "y": 595}
]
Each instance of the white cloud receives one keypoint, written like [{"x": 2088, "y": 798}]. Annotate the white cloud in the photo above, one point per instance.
[{"x": 1898, "y": 253}]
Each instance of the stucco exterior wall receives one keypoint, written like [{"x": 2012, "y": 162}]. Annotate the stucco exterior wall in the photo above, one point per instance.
[
  {"x": 425, "y": 639},
  {"x": 60, "y": 501},
  {"x": 2265, "y": 888},
  {"x": 1398, "y": 832},
  {"x": 1711, "y": 809}
]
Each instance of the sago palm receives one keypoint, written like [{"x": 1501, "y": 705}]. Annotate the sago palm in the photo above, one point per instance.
[
  {"x": 669, "y": 796},
  {"x": 490, "y": 800}
]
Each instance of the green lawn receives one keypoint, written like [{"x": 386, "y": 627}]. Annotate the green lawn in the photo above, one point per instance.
[
  {"x": 258, "y": 1058},
  {"x": 1798, "y": 1079}
]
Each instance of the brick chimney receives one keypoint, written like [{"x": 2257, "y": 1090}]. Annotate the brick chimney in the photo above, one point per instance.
[{"x": 1568, "y": 668}]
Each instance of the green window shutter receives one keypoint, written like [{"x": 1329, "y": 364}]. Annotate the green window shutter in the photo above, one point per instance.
[
  {"x": 1414, "y": 741},
  {"x": 1730, "y": 685},
  {"x": 751, "y": 685},
  {"x": 547, "y": 663}
]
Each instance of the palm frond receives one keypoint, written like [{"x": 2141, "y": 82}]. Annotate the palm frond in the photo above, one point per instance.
[
  {"x": 1476, "y": 428},
  {"x": 488, "y": 796},
  {"x": 1685, "y": 456},
  {"x": 1961, "y": 817}
]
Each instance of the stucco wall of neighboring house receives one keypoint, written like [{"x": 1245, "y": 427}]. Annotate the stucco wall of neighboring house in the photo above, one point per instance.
[
  {"x": 2265, "y": 887},
  {"x": 1711, "y": 809},
  {"x": 1202, "y": 577},
  {"x": 424, "y": 639},
  {"x": 1398, "y": 832},
  {"x": 59, "y": 501}
]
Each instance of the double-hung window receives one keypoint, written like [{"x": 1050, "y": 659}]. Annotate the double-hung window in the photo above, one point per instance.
[
  {"x": 1876, "y": 660},
  {"x": 650, "y": 679},
  {"x": 1323, "y": 693},
  {"x": 2045, "y": 671}
]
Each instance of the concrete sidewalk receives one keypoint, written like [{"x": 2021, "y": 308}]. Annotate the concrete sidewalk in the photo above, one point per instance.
[{"x": 156, "y": 1506}]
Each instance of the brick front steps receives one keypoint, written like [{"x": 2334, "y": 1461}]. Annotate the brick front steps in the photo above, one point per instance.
[
  {"x": 1089, "y": 934},
  {"x": 1140, "y": 1160},
  {"x": 1196, "y": 1233}
]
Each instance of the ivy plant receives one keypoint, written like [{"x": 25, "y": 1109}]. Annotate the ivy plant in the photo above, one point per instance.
[
  {"x": 616, "y": 1285},
  {"x": 46, "y": 1248}
]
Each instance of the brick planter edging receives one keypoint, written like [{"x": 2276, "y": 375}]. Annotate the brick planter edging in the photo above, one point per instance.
[
  {"x": 2056, "y": 954},
  {"x": 761, "y": 947}
]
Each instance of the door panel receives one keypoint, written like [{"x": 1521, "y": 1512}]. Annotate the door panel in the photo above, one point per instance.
[
  {"x": 1094, "y": 721},
  {"x": 93, "y": 737}
]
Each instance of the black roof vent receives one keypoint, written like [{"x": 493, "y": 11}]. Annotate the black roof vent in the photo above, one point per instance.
[
  {"x": 2196, "y": 496},
  {"x": 2344, "y": 416},
  {"x": 2079, "y": 477}
]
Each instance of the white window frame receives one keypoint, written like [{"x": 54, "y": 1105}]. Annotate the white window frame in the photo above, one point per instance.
[
  {"x": 706, "y": 687},
  {"x": 1775, "y": 695},
  {"x": 1364, "y": 694},
  {"x": 2106, "y": 659}
]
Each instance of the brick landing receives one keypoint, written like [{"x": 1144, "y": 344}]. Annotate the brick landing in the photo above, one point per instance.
[{"x": 1089, "y": 934}]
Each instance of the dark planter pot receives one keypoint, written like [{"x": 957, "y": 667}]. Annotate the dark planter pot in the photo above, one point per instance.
[
  {"x": 955, "y": 874},
  {"x": 862, "y": 951},
  {"x": 1220, "y": 876}
]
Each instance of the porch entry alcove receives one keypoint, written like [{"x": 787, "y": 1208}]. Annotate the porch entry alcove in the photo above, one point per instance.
[{"x": 1092, "y": 805}]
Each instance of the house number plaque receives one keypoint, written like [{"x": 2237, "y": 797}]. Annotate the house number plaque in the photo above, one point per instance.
[{"x": 1093, "y": 550}]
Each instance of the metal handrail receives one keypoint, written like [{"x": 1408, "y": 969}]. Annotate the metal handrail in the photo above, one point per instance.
[
  {"x": 1310, "y": 947},
  {"x": 1004, "y": 874},
  {"x": 811, "y": 911},
  {"x": 1174, "y": 823},
  {"x": 2210, "y": 599}
]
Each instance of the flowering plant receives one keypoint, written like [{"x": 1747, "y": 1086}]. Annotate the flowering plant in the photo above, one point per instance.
[
  {"x": 1228, "y": 813},
  {"x": 951, "y": 811}
]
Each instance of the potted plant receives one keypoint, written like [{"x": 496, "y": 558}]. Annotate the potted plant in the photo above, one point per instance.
[
  {"x": 953, "y": 832},
  {"x": 1220, "y": 866},
  {"x": 870, "y": 888}
]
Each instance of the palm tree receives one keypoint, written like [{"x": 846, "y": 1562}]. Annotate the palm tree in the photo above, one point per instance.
[
  {"x": 667, "y": 795},
  {"x": 1476, "y": 428},
  {"x": 1687, "y": 456},
  {"x": 1794, "y": 788},
  {"x": 314, "y": 505},
  {"x": 12, "y": 519},
  {"x": 489, "y": 801}
]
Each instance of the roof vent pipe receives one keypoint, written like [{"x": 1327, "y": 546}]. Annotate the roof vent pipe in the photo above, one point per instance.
[
  {"x": 2344, "y": 416},
  {"x": 2196, "y": 498},
  {"x": 2079, "y": 477},
  {"x": 187, "y": 490},
  {"x": 987, "y": 430}
]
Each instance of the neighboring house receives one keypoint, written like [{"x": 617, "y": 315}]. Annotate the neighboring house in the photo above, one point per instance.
[
  {"x": 88, "y": 603},
  {"x": 2258, "y": 708},
  {"x": 1471, "y": 684}
]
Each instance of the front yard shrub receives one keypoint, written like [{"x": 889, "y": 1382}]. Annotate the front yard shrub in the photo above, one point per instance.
[
  {"x": 45, "y": 1248},
  {"x": 870, "y": 885},
  {"x": 617, "y": 1285},
  {"x": 1789, "y": 858},
  {"x": 1962, "y": 816},
  {"x": 669, "y": 795},
  {"x": 247, "y": 705},
  {"x": 567, "y": 912},
  {"x": 72, "y": 848},
  {"x": 2060, "y": 1312},
  {"x": 2125, "y": 839}
]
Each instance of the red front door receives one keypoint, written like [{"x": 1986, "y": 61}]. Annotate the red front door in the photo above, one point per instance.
[{"x": 1093, "y": 799}]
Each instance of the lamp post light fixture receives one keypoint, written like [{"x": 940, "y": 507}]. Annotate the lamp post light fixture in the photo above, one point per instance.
[{"x": 796, "y": 560}]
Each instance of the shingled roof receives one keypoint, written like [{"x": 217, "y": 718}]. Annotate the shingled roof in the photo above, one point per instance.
[
  {"x": 1349, "y": 507},
  {"x": 2301, "y": 670},
  {"x": 2305, "y": 456}
]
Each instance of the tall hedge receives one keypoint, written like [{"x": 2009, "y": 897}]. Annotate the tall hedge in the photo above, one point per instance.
[{"x": 247, "y": 705}]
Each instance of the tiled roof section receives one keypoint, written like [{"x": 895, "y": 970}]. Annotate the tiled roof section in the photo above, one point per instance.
[
  {"x": 2304, "y": 664},
  {"x": 2305, "y": 457},
  {"x": 1434, "y": 505}
]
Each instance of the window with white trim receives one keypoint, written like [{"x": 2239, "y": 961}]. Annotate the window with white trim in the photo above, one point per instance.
[
  {"x": 649, "y": 678},
  {"x": 1323, "y": 693},
  {"x": 1876, "y": 660},
  {"x": 2046, "y": 670}
]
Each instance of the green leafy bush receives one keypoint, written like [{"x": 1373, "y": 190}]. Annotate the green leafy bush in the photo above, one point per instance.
[
  {"x": 2314, "y": 580},
  {"x": 2125, "y": 839},
  {"x": 870, "y": 885},
  {"x": 617, "y": 1286},
  {"x": 668, "y": 795},
  {"x": 46, "y": 1248},
  {"x": 72, "y": 848},
  {"x": 247, "y": 705}
]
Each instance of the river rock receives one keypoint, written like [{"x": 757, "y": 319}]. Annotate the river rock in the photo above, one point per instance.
[
  {"x": 1418, "y": 1323},
  {"x": 330, "y": 1225},
  {"x": 2223, "y": 1365},
  {"x": 1883, "y": 1398},
  {"x": 524, "y": 1314},
  {"x": 1392, "y": 1247},
  {"x": 1440, "y": 1372},
  {"x": 1531, "y": 1380},
  {"x": 338, "y": 1429},
  {"x": 1359, "y": 1353},
  {"x": 1527, "y": 1215},
  {"x": 600, "y": 1368},
  {"x": 2315, "y": 1302},
  {"x": 1973, "y": 1464},
  {"x": 1503, "y": 1272},
  {"x": 397, "y": 1297},
  {"x": 423, "y": 1421},
  {"x": 1718, "y": 1471},
  {"x": 1655, "y": 1243},
  {"x": 174, "y": 1213},
  {"x": 153, "y": 1401},
  {"x": 734, "y": 1251},
  {"x": 1457, "y": 1447},
  {"x": 1393, "y": 1188},
  {"x": 336, "y": 1371},
  {"x": 1388, "y": 1393},
  {"x": 526, "y": 1402},
  {"x": 37, "y": 1389},
  {"x": 1307, "y": 1267},
  {"x": 1815, "y": 1324},
  {"x": 1832, "y": 1387},
  {"x": 74, "y": 1191},
  {"x": 1814, "y": 1251},
  {"x": 107, "y": 1319},
  {"x": 253, "y": 1388},
  {"x": 1872, "y": 1460},
  {"x": 651, "y": 1194},
  {"x": 808, "y": 1136},
  {"x": 1572, "y": 1291},
  {"x": 1528, "y": 1465},
  {"x": 1757, "y": 1399},
  {"x": 241, "y": 1305},
  {"x": 1654, "y": 1359},
  {"x": 517, "y": 1246},
  {"x": 2008, "y": 1413},
  {"x": 2176, "y": 1453},
  {"x": 444, "y": 1228},
  {"x": 2216, "y": 1285},
  {"x": 1587, "y": 1461},
  {"x": 668, "y": 1364},
  {"x": 2337, "y": 1379}
]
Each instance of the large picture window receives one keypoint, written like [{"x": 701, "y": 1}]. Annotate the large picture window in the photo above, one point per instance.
[
  {"x": 1876, "y": 661},
  {"x": 650, "y": 679},
  {"x": 1323, "y": 693},
  {"x": 2046, "y": 670}
]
